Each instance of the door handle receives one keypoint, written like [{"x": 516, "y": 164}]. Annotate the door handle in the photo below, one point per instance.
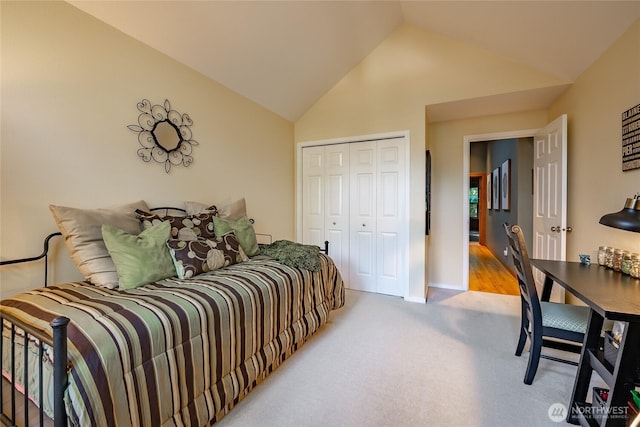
[{"x": 559, "y": 229}]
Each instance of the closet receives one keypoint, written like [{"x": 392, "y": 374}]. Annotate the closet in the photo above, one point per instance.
[{"x": 354, "y": 196}]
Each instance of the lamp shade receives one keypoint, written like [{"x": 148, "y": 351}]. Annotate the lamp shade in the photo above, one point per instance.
[{"x": 627, "y": 219}]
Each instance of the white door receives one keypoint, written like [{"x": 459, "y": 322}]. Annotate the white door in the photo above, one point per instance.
[
  {"x": 325, "y": 200},
  {"x": 313, "y": 196},
  {"x": 362, "y": 273},
  {"x": 336, "y": 177},
  {"x": 354, "y": 195},
  {"x": 378, "y": 216},
  {"x": 391, "y": 207},
  {"x": 550, "y": 197}
]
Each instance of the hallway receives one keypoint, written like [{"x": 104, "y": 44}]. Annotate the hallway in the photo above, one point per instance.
[{"x": 487, "y": 274}]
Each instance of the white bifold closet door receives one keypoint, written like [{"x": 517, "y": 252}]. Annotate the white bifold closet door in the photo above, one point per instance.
[
  {"x": 354, "y": 195},
  {"x": 325, "y": 197}
]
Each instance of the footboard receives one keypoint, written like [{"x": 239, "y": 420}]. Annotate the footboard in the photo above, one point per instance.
[
  {"x": 17, "y": 408},
  {"x": 18, "y": 404}
]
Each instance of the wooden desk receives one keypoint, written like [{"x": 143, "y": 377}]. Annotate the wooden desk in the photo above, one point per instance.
[{"x": 610, "y": 295}]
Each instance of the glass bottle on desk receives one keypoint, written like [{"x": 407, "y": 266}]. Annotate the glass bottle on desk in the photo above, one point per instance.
[
  {"x": 602, "y": 254},
  {"x": 608, "y": 258},
  {"x": 617, "y": 259},
  {"x": 625, "y": 266},
  {"x": 635, "y": 266}
]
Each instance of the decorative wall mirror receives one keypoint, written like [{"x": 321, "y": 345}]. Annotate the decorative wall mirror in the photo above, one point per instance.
[{"x": 164, "y": 134}]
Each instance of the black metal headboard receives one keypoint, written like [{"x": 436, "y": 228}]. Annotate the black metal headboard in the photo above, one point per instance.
[
  {"x": 45, "y": 251},
  {"x": 44, "y": 255}
]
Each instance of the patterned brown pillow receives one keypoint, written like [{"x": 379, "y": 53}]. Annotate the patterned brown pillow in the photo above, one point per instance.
[
  {"x": 193, "y": 257},
  {"x": 189, "y": 227}
]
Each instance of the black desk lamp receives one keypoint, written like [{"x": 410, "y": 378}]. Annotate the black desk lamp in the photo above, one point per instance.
[{"x": 627, "y": 219}]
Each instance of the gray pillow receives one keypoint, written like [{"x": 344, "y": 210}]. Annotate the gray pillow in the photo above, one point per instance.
[{"x": 82, "y": 232}]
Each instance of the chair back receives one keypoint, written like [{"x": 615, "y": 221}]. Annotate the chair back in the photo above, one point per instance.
[{"x": 528, "y": 293}]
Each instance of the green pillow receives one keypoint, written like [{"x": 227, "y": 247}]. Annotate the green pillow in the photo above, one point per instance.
[
  {"x": 142, "y": 258},
  {"x": 244, "y": 232}
]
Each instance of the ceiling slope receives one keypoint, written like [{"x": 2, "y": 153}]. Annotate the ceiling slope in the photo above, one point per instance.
[{"x": 285, "y": 55}]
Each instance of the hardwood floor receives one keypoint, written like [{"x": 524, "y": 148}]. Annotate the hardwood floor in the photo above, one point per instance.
[
  {"x": 34, "y": 418},
  {"x": 487, "y": 274}
]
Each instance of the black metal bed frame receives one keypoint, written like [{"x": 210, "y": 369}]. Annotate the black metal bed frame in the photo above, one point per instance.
[{"x": 58, "y": 342}]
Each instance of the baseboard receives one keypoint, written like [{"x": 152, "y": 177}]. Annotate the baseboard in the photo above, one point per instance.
[
  {"x": 446, "y": 286},
  {"x": 416, "y": 299},
  {"x": 505, "y": 262}
]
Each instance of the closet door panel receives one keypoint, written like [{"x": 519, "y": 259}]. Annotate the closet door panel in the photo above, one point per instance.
[
  {"x": 388, "y": 192},
  {"x": 313, "y": 196},
  {"x": 365, "y": 195},
  {"x": 363, "y": 269},
  {"x": 388, "y": 249},
  {"x": 362, "y": 226},
  {"x": 391, "y": 217},
  {"x": 338, "y": 241},
  {"x": 337, "y": 205},
  {"x": 363, "y": 189}
]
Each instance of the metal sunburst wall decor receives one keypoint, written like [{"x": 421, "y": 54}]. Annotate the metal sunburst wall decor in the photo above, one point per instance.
[{"x": 164, "y": 134}]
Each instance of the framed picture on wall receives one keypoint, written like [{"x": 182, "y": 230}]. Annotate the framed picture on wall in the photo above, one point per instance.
[
  {"x": 495, "y": 189},
  {"x": 505, "y": 184},
  {"x": 428, "y": 193},
  {"x": 488, "y": 191}
]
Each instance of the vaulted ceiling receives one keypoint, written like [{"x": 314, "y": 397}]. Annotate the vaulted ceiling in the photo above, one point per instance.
[{"x": 285, "y": 55}]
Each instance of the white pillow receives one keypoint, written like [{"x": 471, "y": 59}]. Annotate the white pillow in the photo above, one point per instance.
[
  {"x": 82, "y": 232},
  {"x": 234, "y": 210}
]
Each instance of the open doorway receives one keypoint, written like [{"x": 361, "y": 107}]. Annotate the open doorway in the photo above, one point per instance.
[
  {"x": 477, "y": 209},
  {"x": 489, "y": 267}
]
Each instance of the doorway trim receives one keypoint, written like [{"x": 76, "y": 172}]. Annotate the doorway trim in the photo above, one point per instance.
[{"x": 466, "y": 147}]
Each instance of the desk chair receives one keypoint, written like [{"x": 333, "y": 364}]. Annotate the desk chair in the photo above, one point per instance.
[{"x": 565, "y": 324}]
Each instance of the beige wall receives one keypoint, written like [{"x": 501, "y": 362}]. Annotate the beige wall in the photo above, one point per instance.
[
  {"x": 70, "y": 85},
  {"x": 447, "y": 240},
  {"x": 388, "y": 91},
  {"x": 596, "y": 183}
]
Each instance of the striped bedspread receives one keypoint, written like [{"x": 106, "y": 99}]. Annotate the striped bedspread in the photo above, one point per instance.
[{"x": 181, "y": 352}]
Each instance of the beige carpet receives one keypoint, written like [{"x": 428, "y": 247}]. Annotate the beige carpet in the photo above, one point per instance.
[{"x": 381, "y": 361}]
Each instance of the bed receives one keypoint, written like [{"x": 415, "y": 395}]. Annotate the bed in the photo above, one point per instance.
[{"x": 174, "y": 351}]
